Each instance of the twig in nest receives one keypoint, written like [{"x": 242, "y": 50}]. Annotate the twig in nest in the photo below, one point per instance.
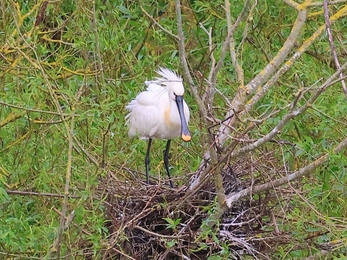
[
  {"x": 159, "y": 235},
  {"x": 120, "y": 252}
]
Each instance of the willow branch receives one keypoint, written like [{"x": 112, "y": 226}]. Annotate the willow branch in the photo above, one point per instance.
[
  {"x": 211, "y": 155},
  {"x": 218, "y": 178},
  {"x": 209, "y": 138}
]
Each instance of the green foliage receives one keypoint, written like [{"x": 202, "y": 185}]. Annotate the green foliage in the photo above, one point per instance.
[
  {"x": 46, "y": 67},
  {"x": 172, "y": 223}
]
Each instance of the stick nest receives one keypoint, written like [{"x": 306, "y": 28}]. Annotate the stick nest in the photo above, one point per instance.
[{"x": 157, "y": 222}]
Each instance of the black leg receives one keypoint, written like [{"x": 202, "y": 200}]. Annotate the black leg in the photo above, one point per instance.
[
  {"x": 166, "y": 161},
  {"x": 147, "y": 160}
]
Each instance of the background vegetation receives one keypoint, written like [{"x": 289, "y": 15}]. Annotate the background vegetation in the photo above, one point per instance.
[{"x": 264, "y": 102}]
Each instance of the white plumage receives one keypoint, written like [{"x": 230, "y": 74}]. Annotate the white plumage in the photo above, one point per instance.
[
  {"x": 160, "y": 112},
  {"x": 154, "y": 112}
]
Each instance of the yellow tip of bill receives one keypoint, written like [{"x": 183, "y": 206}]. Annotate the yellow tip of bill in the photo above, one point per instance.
[{"x": 186, "y": 138}]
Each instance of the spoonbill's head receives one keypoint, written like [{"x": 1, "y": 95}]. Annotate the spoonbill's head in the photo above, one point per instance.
[{"x": 175, "y": 89}]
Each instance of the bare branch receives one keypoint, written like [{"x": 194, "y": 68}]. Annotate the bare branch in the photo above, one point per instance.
[
  {"x": 213, "y": 63},
  {"x": 261, "y": 90},
  {"x": 197, "y": 182},
  {"x": 211, "y": 156},
  {"x": 210, "y": 47},
  {"x": 293, "y": 113},
  {"x": 260, "y": 79},
  {"x": 305, "y": 170}
]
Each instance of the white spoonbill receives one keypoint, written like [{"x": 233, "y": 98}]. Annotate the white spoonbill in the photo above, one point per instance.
[{"x": 160, "y": 113}]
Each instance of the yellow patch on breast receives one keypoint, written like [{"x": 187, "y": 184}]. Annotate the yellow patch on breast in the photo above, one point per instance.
[{"x": 167, "y": 119}]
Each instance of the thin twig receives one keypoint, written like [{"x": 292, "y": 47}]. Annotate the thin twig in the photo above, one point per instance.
[
  {"x": 226, "y": 43},
  {"x": 69, "y": 131},
  {"x": 34, "y": 110},
  {"x": 184, "y": 63},
  {"x": 331, "y": 43},
  {"x": 208, "y": 96},
  {"x": 159, "y": 235},
  {"x": 40, "y": 194},
  {"x": 99, "y": 65},
  {"x": 238, "y": 68},
  {"x": 213, "y": 64},
  {"x": 123, "y": 254},
  {"x": 330, "y": 2},
  {"x": 69, "y": 220},
  {"x": 157, "y": 24}
]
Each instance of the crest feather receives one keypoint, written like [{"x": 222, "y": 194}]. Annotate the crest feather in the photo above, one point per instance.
[{"x": 168, "y": 75}]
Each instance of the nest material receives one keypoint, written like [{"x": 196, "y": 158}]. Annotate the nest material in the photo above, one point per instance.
[{"x": 139, "y": 220}]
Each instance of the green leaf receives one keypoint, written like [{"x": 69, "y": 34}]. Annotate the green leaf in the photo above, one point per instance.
[{"x": 124, "y": 10}]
